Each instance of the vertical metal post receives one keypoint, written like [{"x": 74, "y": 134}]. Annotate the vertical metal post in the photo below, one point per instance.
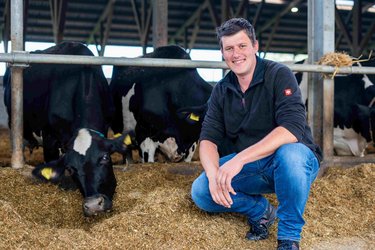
[
  {"x": 160, "y": 23},
  {"x": 321, "y": 30},
  {"x": 17, "y": 85}
]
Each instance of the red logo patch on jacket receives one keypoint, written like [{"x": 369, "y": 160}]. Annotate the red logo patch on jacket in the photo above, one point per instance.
[{"x": 288, "y": 92}]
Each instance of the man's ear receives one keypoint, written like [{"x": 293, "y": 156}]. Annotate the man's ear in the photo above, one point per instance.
[{"x": 50, "y": 172}]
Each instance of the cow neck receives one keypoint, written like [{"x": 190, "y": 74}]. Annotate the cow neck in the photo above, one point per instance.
[{"x": 97, "y": 132}]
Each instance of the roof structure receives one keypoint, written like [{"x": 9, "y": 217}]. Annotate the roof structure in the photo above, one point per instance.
[{"x": 190, "y": 24}]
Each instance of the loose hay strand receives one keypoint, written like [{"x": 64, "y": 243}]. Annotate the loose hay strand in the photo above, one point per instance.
[{"x": 339, "y": 59}]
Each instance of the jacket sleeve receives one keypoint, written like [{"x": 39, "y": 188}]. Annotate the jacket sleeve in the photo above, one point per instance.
[
  {"x": 290, "y": 111},
  {"x": 213, "y": 123}
]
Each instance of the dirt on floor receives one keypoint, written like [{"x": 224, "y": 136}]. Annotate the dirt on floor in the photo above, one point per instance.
[{"x": 153, "y": 210}]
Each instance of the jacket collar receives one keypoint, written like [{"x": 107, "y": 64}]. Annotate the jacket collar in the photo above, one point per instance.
[{"x": 230, "y": 80}]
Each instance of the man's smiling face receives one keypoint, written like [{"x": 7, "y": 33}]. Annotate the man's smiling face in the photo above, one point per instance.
[{"x": 239, "y": 53}]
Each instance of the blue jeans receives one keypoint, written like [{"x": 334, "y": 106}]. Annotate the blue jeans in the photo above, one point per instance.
[{"x": 289, "y": 173}]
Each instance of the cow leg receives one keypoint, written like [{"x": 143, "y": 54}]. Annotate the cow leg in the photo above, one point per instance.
[
  {"x": 191, "y": 152},
  {"x": 148, "y": 148},
  {"x": 50, "y": 147}
]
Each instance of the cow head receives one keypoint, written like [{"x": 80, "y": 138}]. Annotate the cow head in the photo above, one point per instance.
[{"x": 87, "y": 163}]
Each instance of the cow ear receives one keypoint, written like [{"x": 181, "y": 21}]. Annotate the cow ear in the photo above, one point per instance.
[
  {"x": 122, "y": 142},
  {"x": 189, "y": 117},
  {"x": 192, "y": 115},
  {"x": 50, "y": 172}
]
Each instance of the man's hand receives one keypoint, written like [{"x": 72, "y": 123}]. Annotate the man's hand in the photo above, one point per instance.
[
  {"x": 221, "y": 185},
  {"x": 218, "y": 195},
  {"x": 225, "y": 175}
]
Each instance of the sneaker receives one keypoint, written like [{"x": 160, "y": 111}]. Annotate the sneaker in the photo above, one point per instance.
[
  {"x": 259, "y": 229},
  {"x": 287, "y": 245}
]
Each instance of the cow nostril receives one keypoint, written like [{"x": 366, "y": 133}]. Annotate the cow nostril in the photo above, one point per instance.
[{"x": 100, "y": 201}]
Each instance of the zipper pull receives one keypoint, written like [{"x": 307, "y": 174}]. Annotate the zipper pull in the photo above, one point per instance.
[{"x": 243, "y": 102}]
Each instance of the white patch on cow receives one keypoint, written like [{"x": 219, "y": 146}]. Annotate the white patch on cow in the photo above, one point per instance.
[
  {"x": 128, "y": 117},
  {"x": 348, "y": 142},
  {"x": 367, "y": 81},
  {"x": 82, "y": 141},
  {"x": 169, "y": 147},
  {"x": 148, "y": 146},
  {"x": 192, "y": 150}
]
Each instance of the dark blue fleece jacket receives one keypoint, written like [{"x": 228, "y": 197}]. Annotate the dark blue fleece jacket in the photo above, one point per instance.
[{"x": 242, "y": 119}]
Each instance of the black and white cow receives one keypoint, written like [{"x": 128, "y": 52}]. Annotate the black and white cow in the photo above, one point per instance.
[
  {"x": 165, "y": 106},
  {"x": 354, "y": 111},
  {"x": 70, "y": 106}
]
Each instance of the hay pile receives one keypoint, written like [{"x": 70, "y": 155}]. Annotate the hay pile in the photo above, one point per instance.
[{"x": 153, "y": 210}]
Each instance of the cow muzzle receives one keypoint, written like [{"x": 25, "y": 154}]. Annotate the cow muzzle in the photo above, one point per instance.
[{"x": 94, "y": 205}]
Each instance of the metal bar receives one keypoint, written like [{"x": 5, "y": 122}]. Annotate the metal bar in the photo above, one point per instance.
[
  {"x": 328, "y": 45},
  {"x": 26, "y": 58},
  {"x": 16, "y": 10}
]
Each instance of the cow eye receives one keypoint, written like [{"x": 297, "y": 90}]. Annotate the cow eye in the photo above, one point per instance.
[{"x": 105, "y": 159}]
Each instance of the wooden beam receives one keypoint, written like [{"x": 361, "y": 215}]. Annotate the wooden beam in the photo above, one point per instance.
[
  {"x": 257, "y": 14},
  {"x": 214, "y": 17},
  {"x": 107, "y": 29},
  {"x": 356, "y": 27},
  {"x": 281, "y": 14},
  {"x": 147, "y": 28},
  {"x": 25, "y": 17},
  {"x": 347, "y": 20},
  {"x": 270, "y": 38},
  {"x": 190, "y": 21},
  {"x": 367, "y": 37},
  {"x": 58, "y": 15},
  {"x": 343, "y": 28},
  {"x": 225, "y": 6},
  {"x": 194, "y": 34},
  {"x": 137, "y": 18},
  {"x": 6, "y": 26},
  {"x": 244, "y": 4},
  {"x": 104, "y": 15}
]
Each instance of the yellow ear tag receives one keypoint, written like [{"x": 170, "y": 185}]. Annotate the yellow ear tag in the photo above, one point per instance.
[
  {"x": 117, "y": 135},
  {"x": 127, "y": 140},
  {"x": 47, "y": 173},
  {"x": 194, "y": 117}
]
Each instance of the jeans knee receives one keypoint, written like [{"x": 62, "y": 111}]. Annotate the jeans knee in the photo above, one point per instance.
[
  {"x": 293, "y": 153},
  {"x": 197, "y": 190},
  {"x": 195, "y": 193}
]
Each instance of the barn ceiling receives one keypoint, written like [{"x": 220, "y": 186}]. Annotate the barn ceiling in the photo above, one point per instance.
[{"x": 191, "y": 24}]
